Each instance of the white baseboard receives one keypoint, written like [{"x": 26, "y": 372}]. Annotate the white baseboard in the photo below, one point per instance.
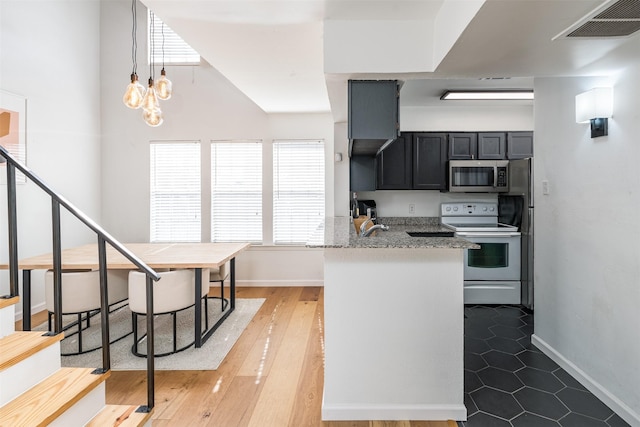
[
  {"x": 589, "y": 383},
  {"x": 34, "y": 309},
  {"x": 394, "y": 412},
  {"x": 273, "y": 283}
]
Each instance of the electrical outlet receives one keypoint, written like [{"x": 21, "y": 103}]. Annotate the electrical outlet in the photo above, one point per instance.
[
  {"x": 412, "y": 208},
  {"x": 545, "y": 187}
]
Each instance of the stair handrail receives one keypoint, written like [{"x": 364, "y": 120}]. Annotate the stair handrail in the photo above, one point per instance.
[{"x": 57, "y": 200}]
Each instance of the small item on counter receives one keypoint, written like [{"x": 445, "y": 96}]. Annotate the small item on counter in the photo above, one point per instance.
[{"x": 356, "y": 209}]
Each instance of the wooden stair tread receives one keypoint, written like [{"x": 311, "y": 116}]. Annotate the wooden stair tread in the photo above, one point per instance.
[
  {"x": 121, "y": 416},
  {"x": 50, "y": 398},
  {"x": 20, "y": 345},
  {"x": 7, "y": 302}
]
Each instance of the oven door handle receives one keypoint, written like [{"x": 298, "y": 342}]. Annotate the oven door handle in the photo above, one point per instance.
[
  {"x": 488, "y": 234},
  {"x": 495, "y": 176}
]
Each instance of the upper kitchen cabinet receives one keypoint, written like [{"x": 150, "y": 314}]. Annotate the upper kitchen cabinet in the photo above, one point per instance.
[
  {"x": 463, "y": 146},
  {"x": 492, "y": 146},
  {"x": 373, "y": 115},
  {"x": 395, "y": 166},
  {"x": 519, "y": 145},
  {"x": 477, "y": 146},
  {"x": 362, "y": 173},
  {"x": 429, "y": 161}
]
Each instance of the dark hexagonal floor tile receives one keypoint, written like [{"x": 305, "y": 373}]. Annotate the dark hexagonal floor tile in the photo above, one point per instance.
[
  {"x": 541, "y": 403},
  {"x": 533, "y": 420},
  {"x": 527, "y": 318},
  {"x": 495, "y": 402},
  {"x": 514, "y": 322},
  {"x": 474, "y": 345},
  {"x": 471, "y": 381},
  {"x": 485, "y": 420},
  {"x": 526, "y": 329},
  {"x": 538, "y": 360},
  {"x": 584, "y": 403},
  {"x": 502, "y": 380},
  {"x": 542, "y": 380},
  {"x": 507, "y": 332},
  {"x": 616, "y": 421},
  {"x": 473, "y": 362},
  {"x": 480, "y": 311},
  {"x": 478, "y": 332},
  {"x": 504, "y": 361},
  {"x": 568, "y": 380},
  {"x": 470, "y": 405},
  {"x": 505, "y": 345},
  {"x": 525, "y": 342},
  {"x": 577, "y": 420}
]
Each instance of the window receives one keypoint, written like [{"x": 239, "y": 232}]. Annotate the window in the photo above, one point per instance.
[
  {"x": 298, "y": 190},
  {"x": 175, "y": 191},
  {"x": 236, "y": 191},
  {"x": 176, "y": 50}
]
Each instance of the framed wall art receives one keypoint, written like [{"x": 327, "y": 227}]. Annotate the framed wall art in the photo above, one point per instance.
[{"x": 13, "y": 131}]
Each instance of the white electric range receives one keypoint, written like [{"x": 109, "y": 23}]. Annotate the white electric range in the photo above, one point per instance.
[{"x": 491, "y": 273}]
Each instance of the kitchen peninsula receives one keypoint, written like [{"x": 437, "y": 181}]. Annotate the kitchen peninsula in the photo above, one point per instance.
[{"x": 393, "y": 319}]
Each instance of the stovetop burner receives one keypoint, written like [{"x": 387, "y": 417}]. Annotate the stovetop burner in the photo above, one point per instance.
[{"x": 473, "y": 217}]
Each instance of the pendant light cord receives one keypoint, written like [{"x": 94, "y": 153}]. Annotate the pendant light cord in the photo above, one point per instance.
[
  {"x": 152, "y": 42},
  {"x": 162, "y": 29},
  {"x": 134, "y": 44}
]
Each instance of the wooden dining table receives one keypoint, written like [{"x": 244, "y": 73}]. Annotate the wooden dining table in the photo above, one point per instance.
[{"x": 195, "y": 256}]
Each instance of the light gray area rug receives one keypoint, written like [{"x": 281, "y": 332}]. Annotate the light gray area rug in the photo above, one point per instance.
[{"x": 208, "y": 357}]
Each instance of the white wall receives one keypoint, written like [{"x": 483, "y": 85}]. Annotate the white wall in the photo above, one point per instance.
[
  {"x": 50, "y": 56},
  {"x": 587, "y": 266}
]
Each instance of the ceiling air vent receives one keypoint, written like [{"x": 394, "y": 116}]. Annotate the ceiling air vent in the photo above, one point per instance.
[{"x": 612, "y": 19}]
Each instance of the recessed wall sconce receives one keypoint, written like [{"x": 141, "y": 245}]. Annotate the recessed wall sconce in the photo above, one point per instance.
[
  {"x": 595, "y": 106},
  {"x": 480, "y": 95}
]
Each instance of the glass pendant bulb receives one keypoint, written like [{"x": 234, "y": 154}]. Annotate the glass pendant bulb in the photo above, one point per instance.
[
  {"x": 133, "y": 96},
  {"x": 150, "y": 99},
  {"x": 163, "y": 86},
  {"x": 153, "y": 117}
]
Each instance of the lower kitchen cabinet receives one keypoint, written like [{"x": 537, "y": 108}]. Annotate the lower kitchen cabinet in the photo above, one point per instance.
[
  {"x": 429, "y": 161},
  {"x": 394, "y": 165}
]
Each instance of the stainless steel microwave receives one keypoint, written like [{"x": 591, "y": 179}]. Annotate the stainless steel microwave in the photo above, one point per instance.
[{"x": 479, "y": 176}]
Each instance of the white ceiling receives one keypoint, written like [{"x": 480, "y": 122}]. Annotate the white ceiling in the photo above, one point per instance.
[{"x": 273, "y": 50}]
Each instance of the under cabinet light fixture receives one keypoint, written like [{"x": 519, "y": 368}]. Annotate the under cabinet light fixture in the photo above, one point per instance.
[
  {"x": 595, "y": 106},
  {"x": 480, "y": 95}
]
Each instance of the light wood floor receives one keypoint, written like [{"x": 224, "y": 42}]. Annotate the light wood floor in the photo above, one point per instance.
[{"x": 273, "y": 376}]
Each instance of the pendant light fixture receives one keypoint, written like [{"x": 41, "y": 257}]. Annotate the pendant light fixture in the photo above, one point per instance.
[
  {"x": 152, "y": 114},
  {"x": 135, "y": 91},
  {"x": 163, "y": 85}
]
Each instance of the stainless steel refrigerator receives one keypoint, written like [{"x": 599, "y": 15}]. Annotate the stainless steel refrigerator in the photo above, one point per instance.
[{"x": 516, "y": 208}]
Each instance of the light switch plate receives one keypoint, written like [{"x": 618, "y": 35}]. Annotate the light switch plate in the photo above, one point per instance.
[{"x": 545, "y": 187}]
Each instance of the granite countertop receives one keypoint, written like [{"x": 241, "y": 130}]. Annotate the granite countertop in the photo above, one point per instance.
[{"x": 339, "y": 232}]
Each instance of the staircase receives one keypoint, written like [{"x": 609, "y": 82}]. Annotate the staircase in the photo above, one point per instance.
[{"x": 36, "y": 391}]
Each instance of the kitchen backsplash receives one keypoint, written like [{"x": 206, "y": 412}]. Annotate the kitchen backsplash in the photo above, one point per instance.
[{"x": 391, "y": 203}]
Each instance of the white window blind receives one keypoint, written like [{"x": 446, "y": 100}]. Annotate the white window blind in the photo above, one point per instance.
[
  {"x": 175, "y": 192},
  {"x": 176, "y": 50},
  {"x": 298, "y": 190},
  {"x": 236, "y": 191}
]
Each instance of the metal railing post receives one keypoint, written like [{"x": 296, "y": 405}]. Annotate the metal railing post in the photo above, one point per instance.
[
  {"x": 150, "y": 347},
  {"x": 104, "y": 304},
  {"x": 13, "y": 230},
  {"x": 57, "y": 266}
]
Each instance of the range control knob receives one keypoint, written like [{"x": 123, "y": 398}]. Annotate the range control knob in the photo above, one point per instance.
[
  {"x": 492, "y": 209},
  {"x": 484, "y": 209},
  {"x": 455, "y": 209}
]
